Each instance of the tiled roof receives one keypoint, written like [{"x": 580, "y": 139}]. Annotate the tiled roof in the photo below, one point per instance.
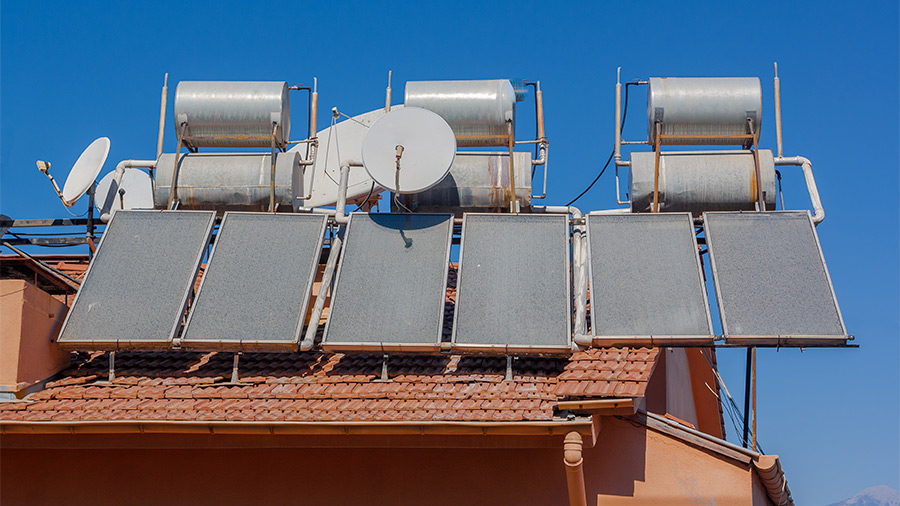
[
  {"x": 321, "y": 387},
  {"x": 330, "y": 387}
]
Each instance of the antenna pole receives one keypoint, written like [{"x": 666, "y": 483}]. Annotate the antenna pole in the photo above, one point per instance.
[
  {"x": 387, "y": 98},
  {"x": 778, "y": 112},
  {"x": 90, "y": 220},
  {"x": 162, "y": 119}
]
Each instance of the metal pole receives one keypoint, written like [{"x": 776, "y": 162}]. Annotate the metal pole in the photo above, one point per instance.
[
  {"x": 162, "y": 119},
  {"x": 90, "y": 223},
  {"x": 656, "y": 172},
  {"x": 753, "y": 354},
  {"x": 512, "y": 174},
  {"x": 778, "y": 112},
  {"x": 272, "y": 174},
  {"x": 747, "y": 397}
]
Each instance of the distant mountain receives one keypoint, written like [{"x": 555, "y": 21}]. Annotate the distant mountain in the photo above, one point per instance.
[{"x": 874, "y": 496}]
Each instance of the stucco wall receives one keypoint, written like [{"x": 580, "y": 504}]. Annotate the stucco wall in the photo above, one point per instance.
[{"x": 629, "y": 465}]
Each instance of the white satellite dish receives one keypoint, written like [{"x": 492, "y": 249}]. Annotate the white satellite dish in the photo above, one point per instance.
[
  {"x": 416, "y": 139},
  {"x": 85, "y": 171},
  {"x": 138, "y": 192}
]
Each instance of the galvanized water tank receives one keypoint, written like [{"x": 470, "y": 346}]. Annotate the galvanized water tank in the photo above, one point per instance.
[
  {"x": 233, "y": 113},
  {"x": 716, "y": 109},
  {"x": 698, "y": 181},
  {"x": 477, "y": 111},
  {"x": 226, "y": 181},
  {"x": 477, "y": 182}
]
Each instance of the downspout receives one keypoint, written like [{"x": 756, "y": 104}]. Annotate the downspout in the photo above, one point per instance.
[
  {"x": 806, "y": 166},
  {"x": 573, "y": 459}
]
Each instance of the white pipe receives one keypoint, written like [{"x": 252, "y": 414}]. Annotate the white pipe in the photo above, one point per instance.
[
  {"x": 117, "y": 180},
  {"x": 339, "y": 216},
  {"x": 618, "y": 150},
  {"x": 806, "y": 166},
  {"x": 579, "y": 257},
  {"x": 162, "y": 116},
  {"x": 309, "y": 339},
  {"x": 778, "y": 113}
]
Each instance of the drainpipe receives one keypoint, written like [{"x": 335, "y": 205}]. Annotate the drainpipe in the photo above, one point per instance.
[
  {"x": 572, "y": 457},
  {"x": 117, "y": 179},
  {"x": 806, "y": 166},
  {"x": 579, "y": 267}
]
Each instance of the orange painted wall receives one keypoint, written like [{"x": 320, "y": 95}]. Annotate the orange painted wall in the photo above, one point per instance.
[
  {"x": 629, "y": 465},
  {"x": 29, "y": 320}
]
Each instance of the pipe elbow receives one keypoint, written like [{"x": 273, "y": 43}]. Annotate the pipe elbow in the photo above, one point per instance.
[{"x": 572, "y": 450}]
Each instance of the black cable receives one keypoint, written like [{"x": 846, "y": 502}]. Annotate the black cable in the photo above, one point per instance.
[
  {"x": 359, "y": 207},
  {"x": 606, "y": 165}
]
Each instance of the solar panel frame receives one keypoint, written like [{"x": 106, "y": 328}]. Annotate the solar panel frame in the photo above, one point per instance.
[
  {"x": 256, "y": 345},
  {"x": 515, "y": 349},
  {"x": 791, "y": 340},
  {"x": 120, "y": 344},
  {"x": 662, "y": 339},
  {"x": 382, "y": 346}
]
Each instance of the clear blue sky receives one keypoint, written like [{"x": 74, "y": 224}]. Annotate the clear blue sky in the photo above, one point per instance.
[{"x": 72, "y": 72}]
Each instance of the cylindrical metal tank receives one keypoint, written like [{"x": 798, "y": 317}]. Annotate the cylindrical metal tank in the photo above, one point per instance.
[
  {"x": 716, "y": 109},
  {"x": 477, "y": 182},
  {"x": 226, "y": 181},
  {"x": 698, "y": 181},
  {"x": 232, "y": 113},
  {"x": 477, "y": 111}
]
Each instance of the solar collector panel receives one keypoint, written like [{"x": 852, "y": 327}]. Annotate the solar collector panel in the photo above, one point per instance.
[
  {"x": 513, "y": 291},
  {"x": 257, "y": 283},
  {"x": 646, "y": 279},
  {"x": 136, "y": 289},
  {"x": 771, "y": 281},
  {"x": 391, "y": 284}
]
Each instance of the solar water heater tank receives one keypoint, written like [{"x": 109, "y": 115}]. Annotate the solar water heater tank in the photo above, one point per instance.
[
  {"x": 477, "y": 111},
  {"x": 694, "y": 111},
  {"x": 233, "y": 113}
]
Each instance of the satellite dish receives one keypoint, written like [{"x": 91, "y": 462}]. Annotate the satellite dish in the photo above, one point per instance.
[
  {"x": 138, "y": 191},
  {"x": 416, "y": 139},
  {"x": 85, "y": 171}
]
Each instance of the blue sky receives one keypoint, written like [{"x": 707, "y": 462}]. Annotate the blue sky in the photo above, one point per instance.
[{"x": 71, "y": 72}]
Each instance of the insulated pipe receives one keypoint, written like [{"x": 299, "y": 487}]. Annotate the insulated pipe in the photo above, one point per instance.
[
  {"x": 339, "y": 216},
  {"x": 387, "y": 97},
  {"x": 806, "y": 166},
  {"x": 117, "y": 180},
  {"x": 618, "y": 150},
  {"x": 574, "y": 461},
  {"x": 579, "y": 257},
  {"x": 778, "y": 112},
  {"x": 309, "y": 339},
  {"x": 162, "y": 119},
  {"x": 313, "y": 146}
]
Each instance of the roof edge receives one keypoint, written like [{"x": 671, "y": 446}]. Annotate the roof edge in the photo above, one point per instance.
[{"x": 522, "y": 428}]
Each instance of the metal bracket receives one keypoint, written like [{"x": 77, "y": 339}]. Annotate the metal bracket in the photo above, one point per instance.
[{"x": 384, "y": 370}]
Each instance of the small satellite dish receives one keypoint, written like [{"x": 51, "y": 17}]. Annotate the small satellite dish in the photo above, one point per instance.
[
  {"x": 85, "y": 171},
  {"x": 138, "y": 191},
  {"x": 417, "y": 141}
]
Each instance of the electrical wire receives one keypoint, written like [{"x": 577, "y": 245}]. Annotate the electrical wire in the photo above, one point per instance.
[
  {"x": 359, "y": 207},
  {"x": 606, "y": 165}
]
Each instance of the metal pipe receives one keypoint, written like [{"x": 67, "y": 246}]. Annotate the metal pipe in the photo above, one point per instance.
[
  {"x": 173, "y": 195},
  {"x": 753, "y": 395},
  {"x": 272, "y": 174},
  {"x": 778, "y": 113},
  {"x": 655, "y": 207},
  {"x": 43, "y": 264},
  {"x": 574, "y": 461},
  {"x": 162, "y": 118},
  {"x": 312, "y": 149},
  {"x": 806, "y": 166},
  {"x": 513, "y": 201},
  {"x": 618, "y": 197},
  {"x": 618, "y": 150},
  {"x": 312, "y": 328},
  {"x": 387, "y": 98},
  {"x": 744, "y": 439},
  {"x": 117, "y": 180}
]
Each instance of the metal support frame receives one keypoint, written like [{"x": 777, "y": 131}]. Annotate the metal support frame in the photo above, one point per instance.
[{"x": 513, "y": 201}]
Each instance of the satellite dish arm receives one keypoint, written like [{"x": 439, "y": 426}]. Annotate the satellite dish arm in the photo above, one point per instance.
[
  {"x": 117, "y": 181},
  {"x": 45, "y": 168}
]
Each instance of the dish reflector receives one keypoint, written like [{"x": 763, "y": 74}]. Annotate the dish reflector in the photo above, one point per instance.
[
  {"x": 85, "y": 170},
  {"x": 429, "y": 148},
  {"x": 138, "y": 191}
]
